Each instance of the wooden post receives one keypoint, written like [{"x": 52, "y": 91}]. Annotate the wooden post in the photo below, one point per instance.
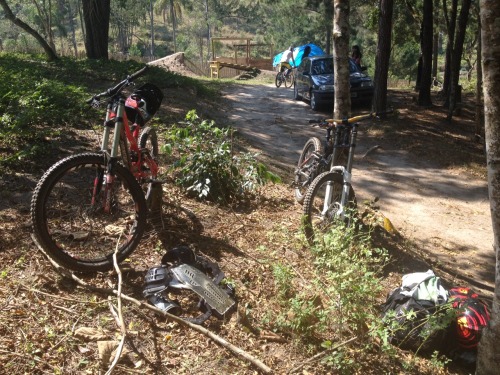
[{"x": 248, "y": 51}]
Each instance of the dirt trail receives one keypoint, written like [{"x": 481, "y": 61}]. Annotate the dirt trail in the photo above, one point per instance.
[{"x": 444, "y": 214}]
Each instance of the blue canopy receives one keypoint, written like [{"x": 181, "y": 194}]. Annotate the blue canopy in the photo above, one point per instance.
[{"x": 298, "y": 53}]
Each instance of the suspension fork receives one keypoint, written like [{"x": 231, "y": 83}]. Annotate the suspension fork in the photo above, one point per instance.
[
  {"x": 346, "y": 173},
  {"x": 104, "y": 181}
]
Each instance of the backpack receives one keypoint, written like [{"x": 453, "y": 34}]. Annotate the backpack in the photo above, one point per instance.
[{"x": 412, "y": 312}]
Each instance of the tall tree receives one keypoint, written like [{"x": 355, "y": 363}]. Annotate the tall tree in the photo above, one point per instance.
[
  {"x": 424, "y": 94},
  {"x": 489, "y": 350},
  {"x": 450, "y": 18},
  {"x": 45, "y": 16},
  {"x": 383, "y": 54},
  {"x": 456, "y": 59},
  {"x": 152, "y": 26},
  {"x": 49, "y": 52},
  {"x": 173, "y": 9},
  {"x": 342, "y": 105},
  {"x": 479, "y": 118},
  {"x": 96, "y": 17}
]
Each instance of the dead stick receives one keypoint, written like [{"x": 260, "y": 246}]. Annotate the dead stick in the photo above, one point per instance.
[
  {"x": 219, "y": 340},
  {"x": 321, "y": 354},
  {"x": 121, "y": 322}
]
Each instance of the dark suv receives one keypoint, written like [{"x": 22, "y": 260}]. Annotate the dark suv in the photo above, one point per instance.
[{"x": 314, "y": 82}]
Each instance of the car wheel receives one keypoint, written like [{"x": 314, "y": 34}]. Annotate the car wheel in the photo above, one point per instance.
[
  {"x": 314, "y": 102},
  {"x": 296, "y": 94}
]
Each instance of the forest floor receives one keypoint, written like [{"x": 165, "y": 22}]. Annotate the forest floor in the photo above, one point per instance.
[{"x": 427, "y": 176}]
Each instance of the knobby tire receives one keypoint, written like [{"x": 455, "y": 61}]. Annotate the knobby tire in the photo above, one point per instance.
[
  {"x": 314, "y": 224},
  {"x": 289, "y": 80},
  {"x": 149, "y": 140},
  {"x": 279, "y": 79},
  {"x": 306, "y": 173},
  {"x": 76, "y": 232}
]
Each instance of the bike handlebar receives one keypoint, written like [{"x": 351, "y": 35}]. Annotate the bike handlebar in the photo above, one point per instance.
[
  {"x": 118, "y": 87},
  {"x": 351, "y": 120}
]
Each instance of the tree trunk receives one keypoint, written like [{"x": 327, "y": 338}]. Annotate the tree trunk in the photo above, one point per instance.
[
  {"x": 435, "y": 51},
  {"x": 173, "y": 16},
  {"x": 457, "y": 57},
  {"x": 96, "y": 17},
  {"x": 73, "y": 29},
  {"x": 342, "y": 105},
  {"x": 49, "y": 52},
  {"x": 424, "y": 94},
  {"x": 488, "y": 359},
  {"x": 479, "y": 119},
  {"x": 451, "y": 23},
  {"x": 151, "y": 19},
  {"x": 383, "y": 54}
]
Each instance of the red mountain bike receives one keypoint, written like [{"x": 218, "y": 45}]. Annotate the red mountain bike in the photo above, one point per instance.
[{"x": 87, "y": 205}]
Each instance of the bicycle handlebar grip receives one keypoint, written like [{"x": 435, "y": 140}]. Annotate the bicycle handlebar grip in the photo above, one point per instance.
[
  {"x": 381, "y": 113},
  {"x": 137, "y": 74}
]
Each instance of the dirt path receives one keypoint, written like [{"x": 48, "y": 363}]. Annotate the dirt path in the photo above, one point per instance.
[{"x": 441, "y": 213}]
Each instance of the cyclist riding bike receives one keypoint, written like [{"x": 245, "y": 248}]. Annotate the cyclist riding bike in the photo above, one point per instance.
[
  {"x": 285, "y": 66},
  {"x": 285, "y": 69}
]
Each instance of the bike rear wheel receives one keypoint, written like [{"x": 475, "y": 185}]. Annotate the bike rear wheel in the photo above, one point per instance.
[
  {"x": 308, "y": 167},
  {"x": 149, "y": 141},
  {"x": 69, "y": 218},
  {"x": 315, "y": 222}
]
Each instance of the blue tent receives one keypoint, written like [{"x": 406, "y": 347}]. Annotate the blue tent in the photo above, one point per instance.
[{"x": 298, "y": 52}]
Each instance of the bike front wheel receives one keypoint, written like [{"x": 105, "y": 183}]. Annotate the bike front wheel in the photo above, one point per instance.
[
  {"x": 308, "y": 167},
  {"x": 322, "y": 204},
  {"x": 279, "y": 79},
  {"x": 80, "y": 219},
  {"x": 289, "y": 79}
]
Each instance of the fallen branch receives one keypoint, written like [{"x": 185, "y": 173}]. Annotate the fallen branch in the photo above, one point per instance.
[
  {"x": 373, "y": 148},
  {"x": 120, "y": 322},
  {"x": 217, "y": 339},
  {"x": 318, "y": 356}
]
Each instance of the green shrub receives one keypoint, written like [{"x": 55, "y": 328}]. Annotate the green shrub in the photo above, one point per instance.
[
  {"x": 40, "y": 102},
  {"x": 206, "y": 164},
  {"x": 340, "y": 301}
]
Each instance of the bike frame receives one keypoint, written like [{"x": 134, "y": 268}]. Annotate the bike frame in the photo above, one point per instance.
[
  {"x": 328, "y": 158},
  {"x": 118, "y": 121}
]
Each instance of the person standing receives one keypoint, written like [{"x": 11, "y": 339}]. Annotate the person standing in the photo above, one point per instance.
[{"x": 356, "y": 55}]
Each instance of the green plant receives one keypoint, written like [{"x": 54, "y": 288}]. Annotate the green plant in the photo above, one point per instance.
[
  {"x": 439, "y": 361},
  {"x": 40, "y": 102},
  {"x": 283, "y": 276},
  {"x": 206, "y": 165},
  {"x": 340, "y": 301}
]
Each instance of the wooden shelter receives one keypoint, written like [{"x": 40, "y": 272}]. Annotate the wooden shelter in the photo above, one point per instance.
[{"x": 241, "y": 58}]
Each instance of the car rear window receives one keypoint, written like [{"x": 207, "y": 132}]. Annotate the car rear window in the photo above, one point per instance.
[{"x": 324, "y": 66}]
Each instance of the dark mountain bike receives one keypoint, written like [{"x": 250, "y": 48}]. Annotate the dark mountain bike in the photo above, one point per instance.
[
  {"x": 317, "y": 156},
  {"x": 284, "y": 76},
  {"x": 87, "y": 205},
  {"x": 330, "y": 198}
]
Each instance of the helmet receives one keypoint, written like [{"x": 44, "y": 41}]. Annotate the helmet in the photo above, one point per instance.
[
  {"x": 179, "y": 254},
  {"x": 143, "y": 103},
  {"x": 472, "y": 316}
]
